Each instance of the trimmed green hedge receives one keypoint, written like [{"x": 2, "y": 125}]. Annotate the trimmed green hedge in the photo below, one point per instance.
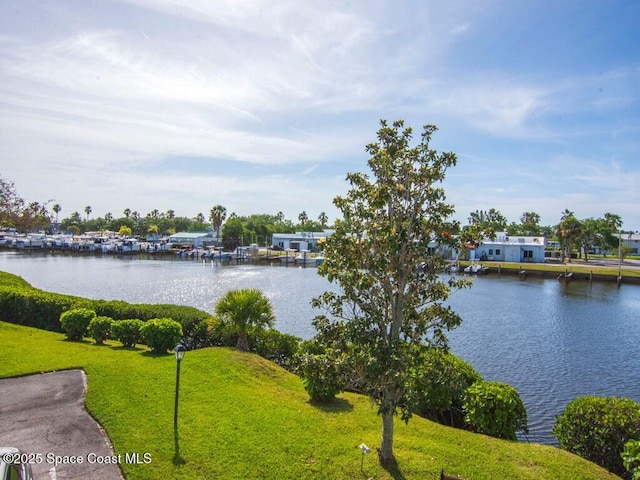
[
  {"x": 34, "y": 308},
  {"x": 23, "y": 304}
]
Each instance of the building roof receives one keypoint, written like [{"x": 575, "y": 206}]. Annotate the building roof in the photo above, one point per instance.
[{"x": 189, "y": 235}]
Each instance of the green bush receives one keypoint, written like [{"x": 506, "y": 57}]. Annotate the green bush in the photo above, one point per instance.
[
  {"x": 275, "y": 346},
  {"x": 11, "y": 280},
  {"x": 100, "y": 328},
  {"x": 597, "y": 428},
  {"x": 25, "y": 305},
  {"x": 75, "y": 322},
  {"x": 321, "y": 370},
  {"x": 631, "y": 458},
  {"x": 161, "y": 334},
  {"x": 495, "y": 409},
  {"x": 127, "y": 331},
  {"x": 438, "y": 387}
]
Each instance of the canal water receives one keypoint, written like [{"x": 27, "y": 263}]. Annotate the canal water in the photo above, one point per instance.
[{"x": 550, "y": 340}]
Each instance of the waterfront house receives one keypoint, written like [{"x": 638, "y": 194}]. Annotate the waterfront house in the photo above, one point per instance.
[
  {"x": 300, "y": 240},
  {"x": 510, "y": 248},
  {"x": 632, "y": 241}
]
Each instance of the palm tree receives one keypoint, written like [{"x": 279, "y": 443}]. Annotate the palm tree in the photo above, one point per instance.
[
  {"x": 127, "y": 212},
  {"x": 323, "y": 219},
  {"x": 217, "y": 216},
  {"x": 57, "y": 208},
  {"x": 245, "y": 309},
  {"x": 303, "y": 218}
]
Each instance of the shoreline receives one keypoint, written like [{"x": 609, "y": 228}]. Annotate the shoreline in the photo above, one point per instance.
[
  {"x": 594, "y": 270},
  {"x": 598, "y": 269}
]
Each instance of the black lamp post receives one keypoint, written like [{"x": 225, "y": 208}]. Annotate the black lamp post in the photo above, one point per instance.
[{"x": 179, "y": 351}]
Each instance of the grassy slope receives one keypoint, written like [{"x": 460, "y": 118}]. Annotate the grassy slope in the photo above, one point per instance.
[{"x": 244, "y": 417}]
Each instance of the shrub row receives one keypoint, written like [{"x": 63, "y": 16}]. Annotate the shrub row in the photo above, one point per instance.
[
  {"x": 22, "y": 304},
  {"x": 160, "y": 334}
]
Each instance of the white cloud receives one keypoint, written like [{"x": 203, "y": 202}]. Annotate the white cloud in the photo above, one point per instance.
[{"x": 288, "y": 90}]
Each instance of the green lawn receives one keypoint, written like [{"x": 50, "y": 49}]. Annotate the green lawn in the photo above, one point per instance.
[{"x": 244, "y": 417}]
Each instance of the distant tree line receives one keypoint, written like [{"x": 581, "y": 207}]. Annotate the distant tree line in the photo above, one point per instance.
[{"x": 572, "y": 234}]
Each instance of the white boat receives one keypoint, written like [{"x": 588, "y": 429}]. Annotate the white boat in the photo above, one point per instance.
[
  {"x": 129, "y": 246},
  {"x": 305, "y": 257},
  {"x": 475, "y": 268},
  {"x": 288, "y": 256},
  {"x": 32, "y": 240}
]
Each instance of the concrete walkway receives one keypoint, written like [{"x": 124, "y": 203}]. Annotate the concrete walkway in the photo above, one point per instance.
[{"x": 45, "y": 414}]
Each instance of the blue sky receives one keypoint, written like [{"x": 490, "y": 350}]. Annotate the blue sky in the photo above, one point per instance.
[{"x": 266, "y": 106}]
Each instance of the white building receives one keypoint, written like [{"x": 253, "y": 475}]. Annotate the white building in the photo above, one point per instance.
[
  {"x": 631, "y": 240},
  {"x": 506, "y": 248},
  {"x": 194, "y": 239},
  {"x": 300, "y": 240}
]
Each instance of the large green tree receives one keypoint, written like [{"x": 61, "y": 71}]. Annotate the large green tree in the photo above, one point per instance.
[
  {"x": 530, "y": 223},
  {"x": 245, "y": 310},
  {"x": 15, "y": 213},
  {"x": 391, "y": 298},
  {"x": 491, "y": 219},
  {"x": 568, "y": 231}
]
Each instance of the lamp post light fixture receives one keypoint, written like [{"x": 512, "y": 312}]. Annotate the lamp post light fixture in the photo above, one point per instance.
[
  {"x": 365, "y": 450},
  {"x": 179, "y": 351}
]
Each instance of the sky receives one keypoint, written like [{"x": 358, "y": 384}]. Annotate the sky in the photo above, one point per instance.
[{"x": 265, "y": 106}]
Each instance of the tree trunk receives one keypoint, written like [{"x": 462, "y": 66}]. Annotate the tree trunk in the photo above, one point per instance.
[
  {"x": 386, "y": 448},
  {"x": 243, "y": 342}
]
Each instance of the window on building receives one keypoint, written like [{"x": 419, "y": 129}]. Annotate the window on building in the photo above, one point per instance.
[
  {"x": 491, "y": 251},
  {"x": 497, "y": 251}
]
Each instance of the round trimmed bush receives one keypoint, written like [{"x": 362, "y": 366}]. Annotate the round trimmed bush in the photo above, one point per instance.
[
  {"x": 75, "y": 322},
  {"x": 100, "y": 328},
  {"x": 438, "y": 388},
  {"x": 597, "y": 428},
  {"x": 161, "y": 334},
  {"x": 495, "y": 409},
  {"x": 127, "y": 331}
]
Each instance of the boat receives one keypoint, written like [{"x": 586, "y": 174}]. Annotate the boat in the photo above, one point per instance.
[
  {"x": 452, "y": 267},
  {"x": 476, "y": 268},
  {"x": 305, "y": 257},
  {"x": 288, "y": 256}
]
